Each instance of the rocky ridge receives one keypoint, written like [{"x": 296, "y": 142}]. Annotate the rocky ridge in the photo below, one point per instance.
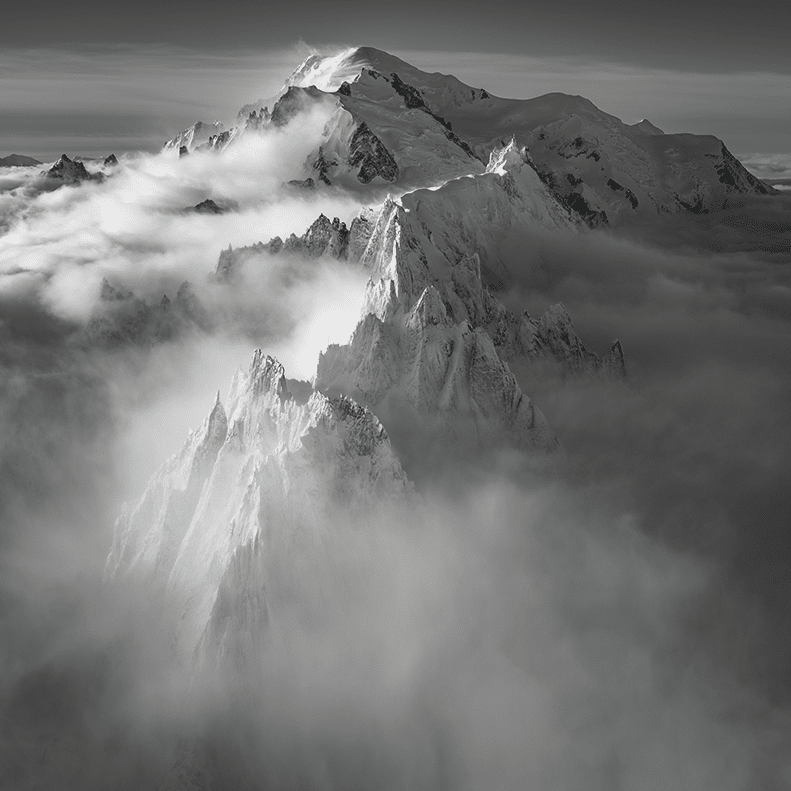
[
  {"x": 249, "y": 486},
  {"x": 433, "y": 336},
  {"x": 70, "y": 171},
  {"x": 197, "y": 135},
  {"x": 391, "y": 123},
  {"x": 578, "y": 149},
  {"x": 458, "y": 240},
  {"x": 220, "y": 515}
]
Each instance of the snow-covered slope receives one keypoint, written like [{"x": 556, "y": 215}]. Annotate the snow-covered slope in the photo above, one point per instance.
[
  {"x": 198, "y": 134},
  {"x": 465, "y": 238},
  {"x": 646, "y": 127},
  {"x": 433, "y": 336},
  {"x": 247, "y": 488},
  {"x": 604, "y": 169},
  {"x": 379, "y": 138},
  {"x": 441, "y": 91},
  {"x": 392, "y": 123}
]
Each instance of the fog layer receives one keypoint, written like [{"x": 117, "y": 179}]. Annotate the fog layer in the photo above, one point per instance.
[{"x": 623, "y": 626}]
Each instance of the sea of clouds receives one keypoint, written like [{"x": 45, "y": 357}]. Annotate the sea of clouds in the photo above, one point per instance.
[{"x": 624, "y": 625}]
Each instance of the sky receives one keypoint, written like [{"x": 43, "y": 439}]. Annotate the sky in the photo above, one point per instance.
[{"x": 83, "y": 80}]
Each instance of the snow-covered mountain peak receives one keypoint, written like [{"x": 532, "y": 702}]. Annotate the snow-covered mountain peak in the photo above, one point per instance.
[
  {"x": 250, "y": 486},
  {"x": 510, "y": 157},
  {"x": 198, "y": 134},
  {"x": 326, "y": 72},
  {"x": 647, "y": 128},
  {"x": 330, "y": 72}
]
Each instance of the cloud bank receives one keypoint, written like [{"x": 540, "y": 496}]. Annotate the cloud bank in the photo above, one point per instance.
[{"x": 625, "y": 622}]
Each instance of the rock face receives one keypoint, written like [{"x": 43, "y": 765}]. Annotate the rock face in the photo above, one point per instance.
[
  {"x": 248, "y": 487},
  {"x": 207, "y": 206},
  {"x": 198, "y": 134},
  {"x": 459, "y": 240},
  {"x": 367, "y": 152},
  {"x": 434, "y": 338},
  {"x": 71, "y": 171},
  {"x": 324, "y": 237}
]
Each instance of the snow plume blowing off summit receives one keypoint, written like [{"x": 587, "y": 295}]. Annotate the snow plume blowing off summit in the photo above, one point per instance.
[{"x": 297, "y": 595}]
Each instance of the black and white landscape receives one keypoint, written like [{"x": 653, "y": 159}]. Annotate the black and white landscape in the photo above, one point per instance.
[{"x": 398, "y": 435}]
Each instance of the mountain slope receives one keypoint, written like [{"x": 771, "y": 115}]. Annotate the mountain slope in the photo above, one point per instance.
[
  {"x": 600, "y": 166},
  {"x": 197, "y": 135},
  {"x": 243, "y": 492},
  {"x": 391, "y": 123},
  {"x": 434, "y": 339}
]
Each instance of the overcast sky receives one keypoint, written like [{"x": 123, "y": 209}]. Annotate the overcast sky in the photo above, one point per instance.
[{"x": 88, "y": 78}]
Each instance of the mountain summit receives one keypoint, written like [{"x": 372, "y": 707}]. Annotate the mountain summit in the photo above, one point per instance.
[{"x": 395, "y": 124}]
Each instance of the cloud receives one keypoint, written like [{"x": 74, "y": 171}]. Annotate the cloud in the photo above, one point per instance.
[
  {"x": 697, "y": 445},
  {"x": 72, "y": 416},
  {"x": 768, "y": 166},
  {"x": 625, "y": 621},
  {"x": 133, "y": 228}
]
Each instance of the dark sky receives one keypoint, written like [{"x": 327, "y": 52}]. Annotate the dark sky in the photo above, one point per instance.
[
  {"x": 90, "y": 77},
  {"x": 700, "y": 36}
]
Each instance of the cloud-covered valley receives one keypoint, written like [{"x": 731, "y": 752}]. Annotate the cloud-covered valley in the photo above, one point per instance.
[{"x": 622, "y": 621}]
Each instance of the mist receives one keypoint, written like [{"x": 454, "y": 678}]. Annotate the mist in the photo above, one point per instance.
[
  {"x": 622, "y": 625},
  {"x": 87, "y": 420}
]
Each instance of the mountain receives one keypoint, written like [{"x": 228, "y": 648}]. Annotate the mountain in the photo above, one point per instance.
[
  {"x": 197, "y": 135},
  {"x": 434, "y": 339},
  {"x": 429, "y": 357},
  {"x": 432, "y": 344},
  {"x": 424, "y": 384},
  {"x": 464, "y": 240},
  {"x": 391, "y": 123},
  {"x": 584, "y": 153},
  {"x": 207, "y": 206},
  {"x": 251, "y": 484},
  {"x": 71, "y": 171},
  {"x": 17, "y": 160},
  {"x": 645, "y": 127}
]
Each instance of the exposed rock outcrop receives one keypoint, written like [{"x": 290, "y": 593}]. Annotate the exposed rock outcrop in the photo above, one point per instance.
[
  {"x": 223, "y": 515},
  {"x": 70, "y": 171},
  {"x": 324, "y": 237},
  {"x": 372, "y": 157}
]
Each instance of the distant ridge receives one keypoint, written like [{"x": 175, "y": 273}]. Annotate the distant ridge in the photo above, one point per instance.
[{"x": 17, "y": 160}]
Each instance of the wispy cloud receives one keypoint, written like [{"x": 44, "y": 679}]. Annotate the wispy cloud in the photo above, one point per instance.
[{"x": 768, "y": 166}]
